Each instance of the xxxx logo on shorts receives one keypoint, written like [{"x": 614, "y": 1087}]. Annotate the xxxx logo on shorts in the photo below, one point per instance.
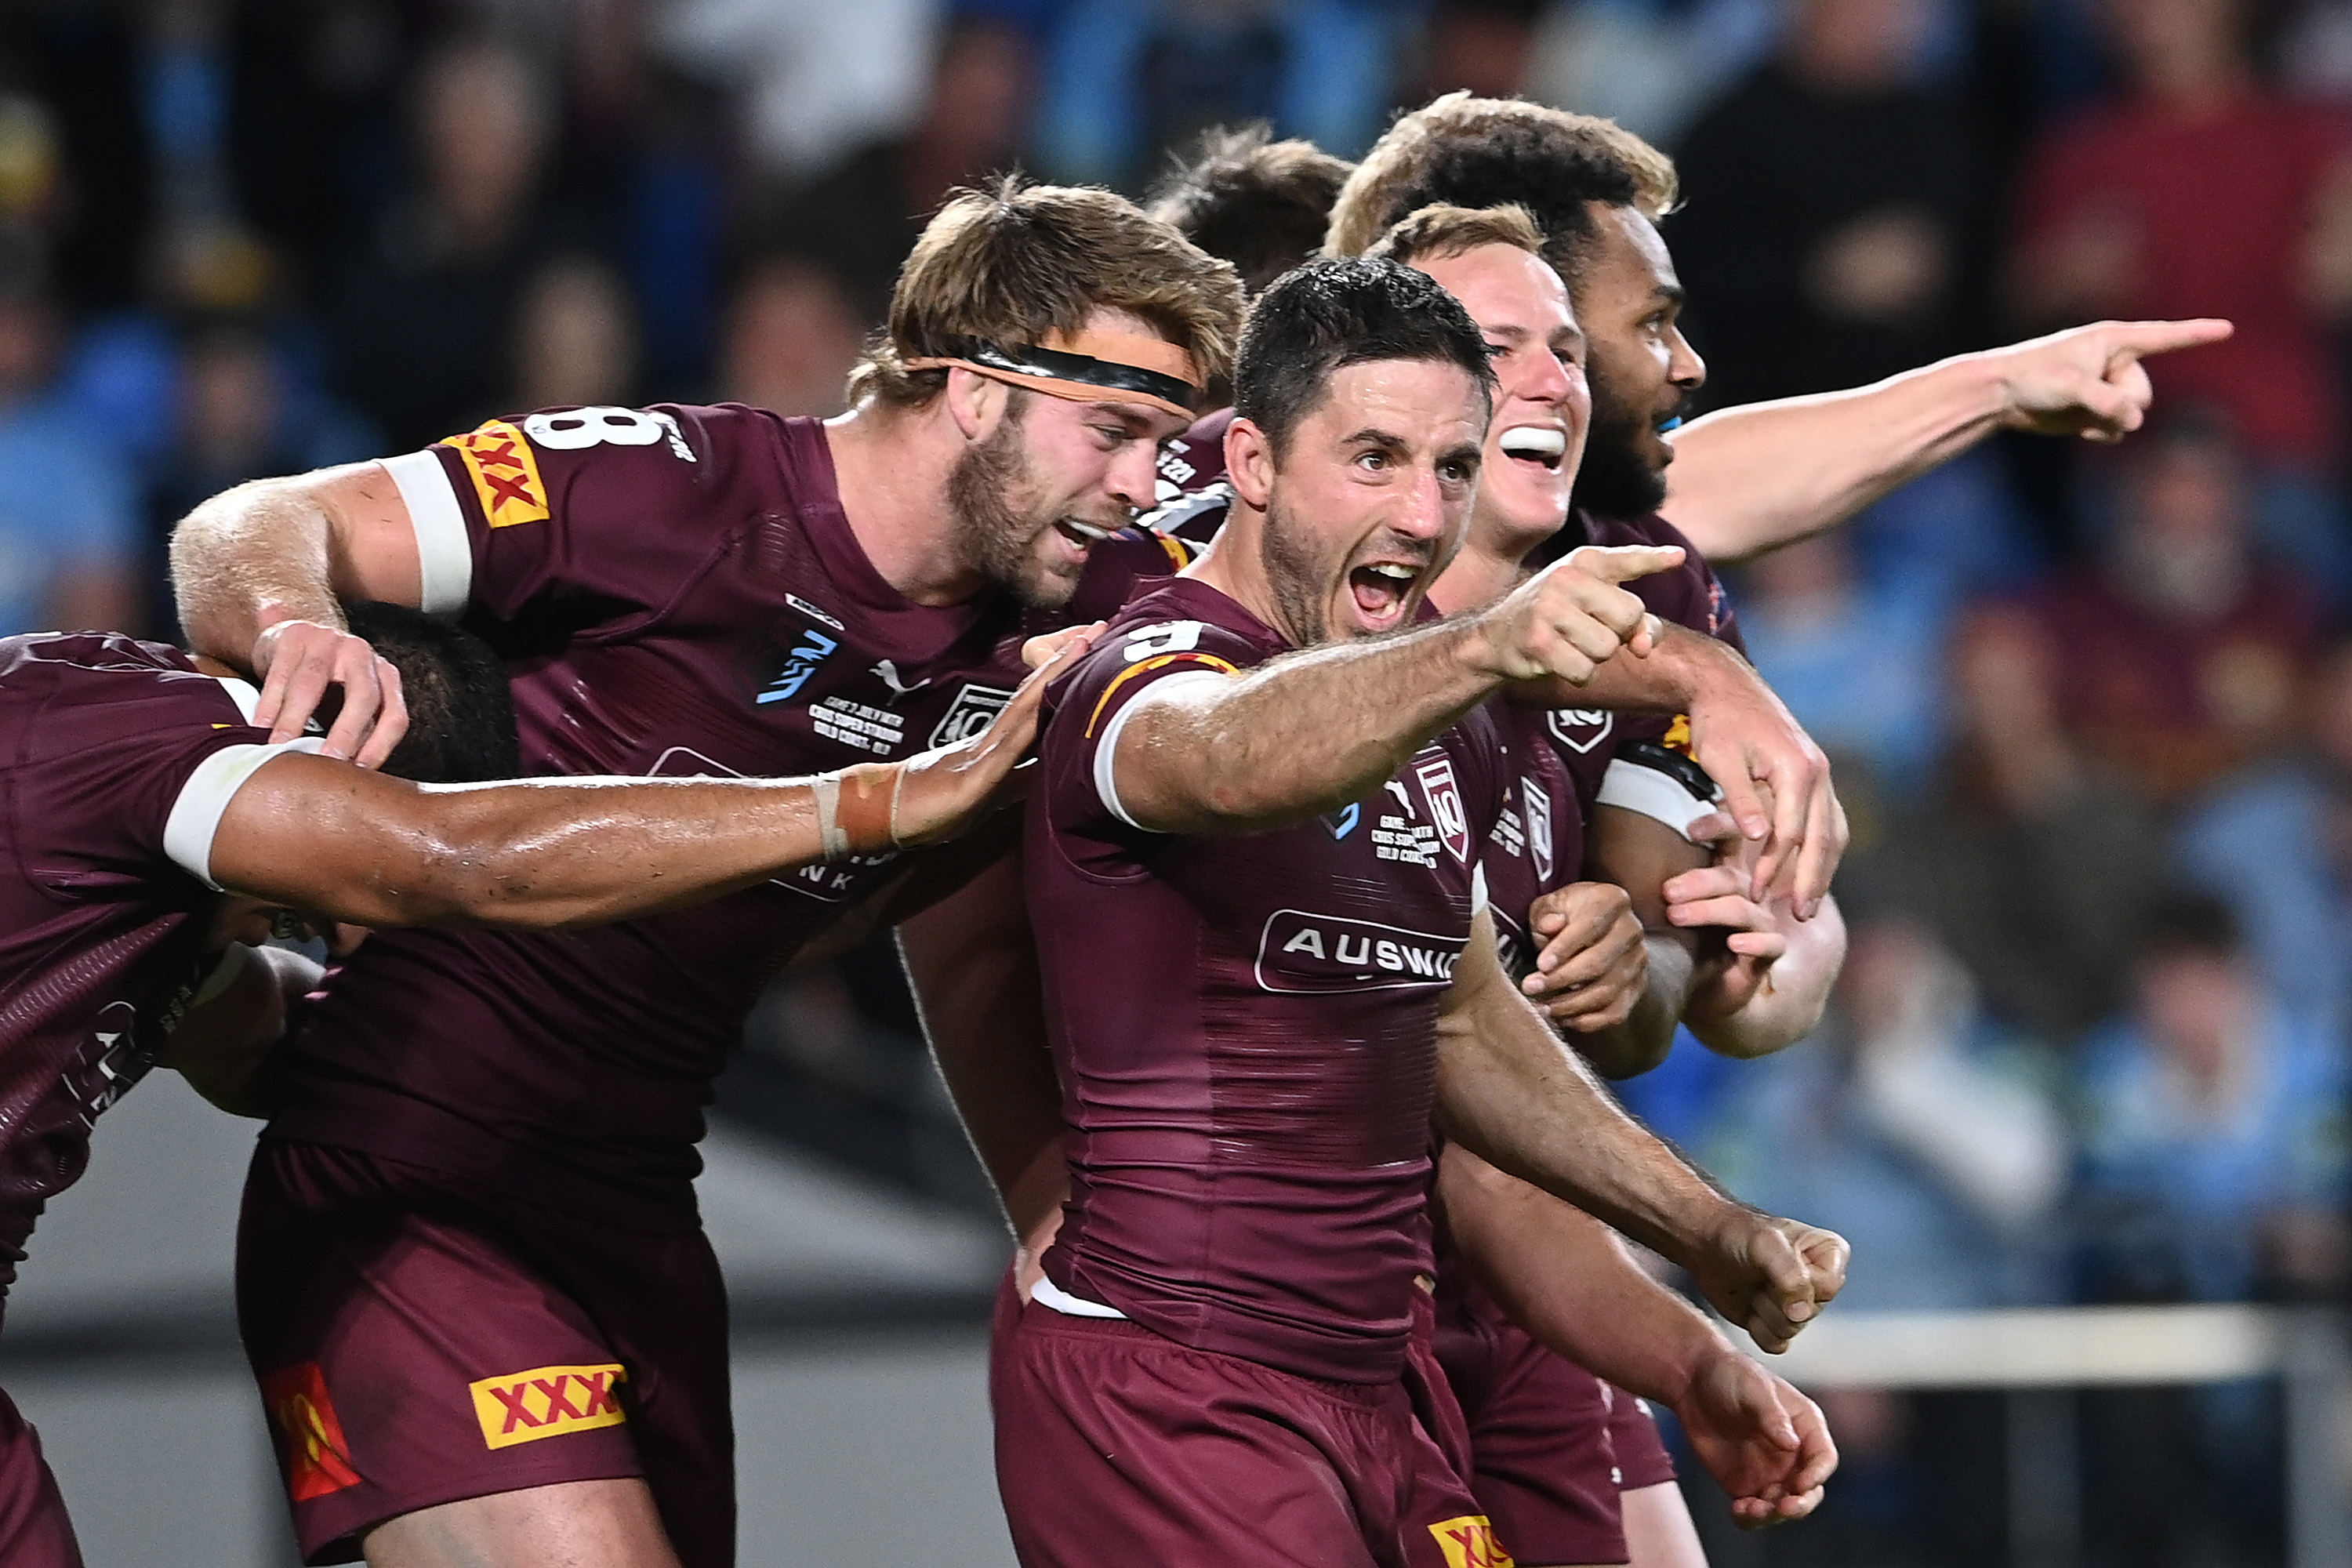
[
  {"x": 1470, "y": 1542},
  {"x": 505, "y": 473},
  {"x": 318, "y": 1460},
  {"x": 546, "y": 1402}
]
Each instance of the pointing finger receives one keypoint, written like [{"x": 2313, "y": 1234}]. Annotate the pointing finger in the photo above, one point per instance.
[
  {"x": 2140, "y": 339},
  {"x": 1623, "y": 563}
]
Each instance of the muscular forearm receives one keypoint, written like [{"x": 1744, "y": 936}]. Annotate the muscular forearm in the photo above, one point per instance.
[
  {"x": 256, "y": 553},
  {"x": 543, "y": 853},
  {"x": 1787, "y": 1005},
  {"x": 1302, "y": 735},
  {"x": 1746, "y": 481},
  {"x": 1509, "y": 1092},
  {"x": 1568, "y": 1280},
  {"x": 1633, "y": 1047}
]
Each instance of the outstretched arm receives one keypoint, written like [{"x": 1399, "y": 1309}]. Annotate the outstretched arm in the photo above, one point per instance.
[
  {"x": 1311, "y": 732},
  {"x": 1569, "y": 1281},
  {"x": 1510, "y": 1093},
  {"x": 355, "y": 846},
  {"x": 1746, "y": 481}
]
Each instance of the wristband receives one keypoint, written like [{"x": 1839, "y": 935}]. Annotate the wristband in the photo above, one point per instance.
[{"x": 869, "y": 807}]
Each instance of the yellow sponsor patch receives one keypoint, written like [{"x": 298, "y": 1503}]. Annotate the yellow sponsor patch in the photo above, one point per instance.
[
  {"x": 505, "y": 471},
  {"x": 1470, "y": 1542},
  {"x": 546, "y": 1402},
  {"x": 1677, "y": 737}
]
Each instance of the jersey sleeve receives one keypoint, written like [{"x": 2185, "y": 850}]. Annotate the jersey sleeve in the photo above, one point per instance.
[
  {"x": 1092, "y": 705},
  {"x": 133, "y": 772},
  {"x": 586, "y": 514}
]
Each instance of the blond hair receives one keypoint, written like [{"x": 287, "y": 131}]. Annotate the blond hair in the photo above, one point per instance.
[
  {"x": 1014, "y": 263},
  {"x": 1442, "y": 232}
]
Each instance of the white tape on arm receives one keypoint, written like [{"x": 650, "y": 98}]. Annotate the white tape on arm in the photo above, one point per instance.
[
  {"x": 1107, "y": 751},
  {"x": 1654, "y": 794},
  {"x": 445, "y": 556},
  {"x": 197, "y": 813}
]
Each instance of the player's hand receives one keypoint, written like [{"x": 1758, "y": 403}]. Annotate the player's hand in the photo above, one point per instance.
[
  {"x": 1764, "y": 1443},
  {"x": 2088, "y": 381},
  {"x": 298, "y": 660},
  {"x": 1568, "y": 620},
  {"x": 1594, "y": 962},
  {"x": 943, "y": 791},
  {"x": 1776, "y": 785},
  {"x": 1038, "y": 650},
  {"x": 1771, "y": 1276},
  {"x": 1718, "y": 898}
]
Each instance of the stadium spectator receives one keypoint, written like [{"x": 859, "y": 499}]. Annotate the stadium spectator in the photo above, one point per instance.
[
  {"x": 1917, "y": 1122},
  {"x": 857, "y": 219},
  {"x": 420, "y": 319},
  {"x": 2198, "y": 191},
  {"x": 575, "y": 340},
  {"x": 792, "y": 337},
  {"x": 1834, "y": 227},
  {"x": 2183, "y": 646},
  {"x": 2277, "y": 844},
  {"x": 70, "y": 541},
  {"x": 2212, "y": 1119},
  {"x": 239, "y": 412},
  {"x": 1128, "y": 81},
  {"x": 1858, "y": 666},
  {"x": 2027, "y": 856}
]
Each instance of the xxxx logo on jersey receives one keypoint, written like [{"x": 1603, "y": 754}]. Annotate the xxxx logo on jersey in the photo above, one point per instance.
[
  {"x": 505, "y": 472},
  {"x": 318, "y": 1458},
  {"x": 546, "y": 1402},
  {"x": 1470, "y": 1542}
]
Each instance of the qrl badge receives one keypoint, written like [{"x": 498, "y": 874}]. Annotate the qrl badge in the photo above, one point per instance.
[
  {"x": 1445, "y": 808},
  {"x": 318, "y": 1458},
  {"x": 1581, "y": 729},
  {"x": 970, "y": 713},
  {"x": 1470, "y": 1542}
]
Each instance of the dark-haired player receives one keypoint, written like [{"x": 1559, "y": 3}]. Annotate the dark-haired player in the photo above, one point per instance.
[
  {"x": 155, "y": 830},
  {"x": 1748, "y": 479},
  {"x": 1253, "y": 876},
  {"x": 486, "y": 1262}
]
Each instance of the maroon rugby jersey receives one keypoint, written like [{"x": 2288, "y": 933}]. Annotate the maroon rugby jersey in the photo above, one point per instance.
[
  {"x": 676, "y": 592},
  {"x": 116, "y": 760},
  {"x": 1689, "y": 596},
  {"x": 1246, "y": 1025}
]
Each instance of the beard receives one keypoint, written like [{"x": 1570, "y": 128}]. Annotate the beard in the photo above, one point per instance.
[
  {"x": 1291, "y": 573},
  {"x": 991, "y": 497},
  {"x": 1615, "y": 479}
]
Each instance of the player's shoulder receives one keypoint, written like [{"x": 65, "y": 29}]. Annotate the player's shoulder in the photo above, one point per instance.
[
  {"x": 66, "y": 691},
  {"x": 1184, "y": 625}
]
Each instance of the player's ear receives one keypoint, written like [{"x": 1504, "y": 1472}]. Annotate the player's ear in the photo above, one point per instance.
[
  {"x": 1249, "y": 463},
  {"x": 975, "y": 402}
]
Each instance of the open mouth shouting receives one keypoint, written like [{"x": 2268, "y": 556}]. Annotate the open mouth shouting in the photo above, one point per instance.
[{"x": 1383, "y": 592}]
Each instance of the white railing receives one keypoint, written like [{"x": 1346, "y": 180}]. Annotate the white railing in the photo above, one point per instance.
[{"x": 2040, "y": 1357}]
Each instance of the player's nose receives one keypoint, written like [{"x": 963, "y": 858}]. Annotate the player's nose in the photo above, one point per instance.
[
  {"x": 1684, "y": 367},
  {"x": 1134, "y": 476}
]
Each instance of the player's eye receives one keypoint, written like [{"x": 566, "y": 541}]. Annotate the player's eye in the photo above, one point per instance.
[{"x": 1375, "y": 462}]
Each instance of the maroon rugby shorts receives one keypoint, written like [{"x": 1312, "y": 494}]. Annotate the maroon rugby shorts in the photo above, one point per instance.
[
  {"x": 34, "y": 1529},
  {"x": 419, "y": 1341},
  {"x": 1643, "y": 1457},
  {"x": 1542, "y": 1465},
  {"x": 1114, "y": 1444}
]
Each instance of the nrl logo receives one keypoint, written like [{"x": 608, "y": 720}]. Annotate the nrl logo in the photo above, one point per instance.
[{"x": 1581, "y": 729}]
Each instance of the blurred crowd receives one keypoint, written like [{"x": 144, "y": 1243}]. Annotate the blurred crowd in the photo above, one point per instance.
[{"x": 2091, "y": 707}]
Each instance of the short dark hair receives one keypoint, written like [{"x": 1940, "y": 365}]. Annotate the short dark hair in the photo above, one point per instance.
[
  {"x": 1489, "y": 151},
  {"x": 461, "y": 718},
  {"x": 1259, "y": 204},
  {"x": 1337, "y": 313},
  {"x": 2189, "y": 922}
]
